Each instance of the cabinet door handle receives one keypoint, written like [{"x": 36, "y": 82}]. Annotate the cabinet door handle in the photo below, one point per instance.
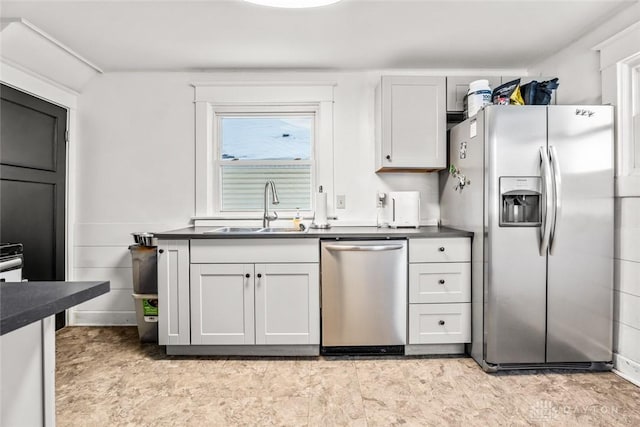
[
  {"x": 441, "y": 323},
  {"x": 161, "y": 251},
  {"x": 441, "y": 281},
  {"x": 259, "y": 275},
  {"x": 441, "y": 248},
  {"x": 388, "y": 157},
  {"x": 247, "y": 275}
]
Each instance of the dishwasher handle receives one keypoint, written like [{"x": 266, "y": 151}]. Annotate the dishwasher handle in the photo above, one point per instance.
[{"x": 364, "y": 248}]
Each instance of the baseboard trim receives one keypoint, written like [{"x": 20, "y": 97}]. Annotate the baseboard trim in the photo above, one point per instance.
[
  {"x": 436, "y": 349},
  {"x": 102, "y": 318},
  {"x": 627, "y": 369},
  {"x": 243, "y": 350}
]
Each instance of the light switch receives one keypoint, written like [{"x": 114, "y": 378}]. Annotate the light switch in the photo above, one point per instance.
[{"x": 341, "y": 202}]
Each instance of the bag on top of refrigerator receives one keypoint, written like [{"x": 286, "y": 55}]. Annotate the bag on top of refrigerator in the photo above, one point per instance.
[
  {"x": 508, "y": 94},
  {"x": 539, "y": 93}
]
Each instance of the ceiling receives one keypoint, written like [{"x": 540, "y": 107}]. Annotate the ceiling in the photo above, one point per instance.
[{"x": 121, "y": 35}]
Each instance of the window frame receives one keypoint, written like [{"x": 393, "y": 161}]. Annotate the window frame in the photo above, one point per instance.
[
  {"x": 211, "y": 96},
  {"x": 620, "y": 71},
  {"x": 266, "y": 110}
]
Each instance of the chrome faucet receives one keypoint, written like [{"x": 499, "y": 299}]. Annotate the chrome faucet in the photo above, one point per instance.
[{"x": 266, "y": 218}]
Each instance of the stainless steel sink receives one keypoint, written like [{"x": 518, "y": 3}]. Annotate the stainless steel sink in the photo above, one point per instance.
[
  {"x": 241, "y": 230},
  {"x": 280, "y": 230},
  {"x": 235, "y": 230}
]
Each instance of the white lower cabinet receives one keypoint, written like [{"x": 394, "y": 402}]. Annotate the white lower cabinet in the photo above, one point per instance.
[
  {"x": 173, "y": 292},
  {"x": 287, "y": 304},
  {"x": 222, "y": 298},
  {"x": 235, "y": 304},
  {"x": 439, "y": 295},
  {"x": 439, "y": 323}
]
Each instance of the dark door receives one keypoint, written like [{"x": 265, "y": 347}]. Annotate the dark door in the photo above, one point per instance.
[{"x": 32, "y": 182}]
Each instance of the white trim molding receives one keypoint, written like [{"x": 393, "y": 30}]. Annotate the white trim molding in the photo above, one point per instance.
[
  {"x": 619, "y": 46},
  {"x": 66, "y": 98},
  {"x": 212, "y": 97},
  {"x": 620, "y": 66},
  {"x": 29, "y": 48},
  {"x": 627, "y": 369}
]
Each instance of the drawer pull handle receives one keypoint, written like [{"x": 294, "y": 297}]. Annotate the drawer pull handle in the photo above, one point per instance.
[
  {"x": 441, "y": 248},
  {"x": 441, "y": 281},
  {"x": 247, "y": 275},
  {"x": 441, "y": 323},
  {"x": 259, "y": 275}
]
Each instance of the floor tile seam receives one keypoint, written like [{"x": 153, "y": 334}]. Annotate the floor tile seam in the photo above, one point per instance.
[
  {"x": 309, "y": 406},
  {"x": 364, "y": 408}
]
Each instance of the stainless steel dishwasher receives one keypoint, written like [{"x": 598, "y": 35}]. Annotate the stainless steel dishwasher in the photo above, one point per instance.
[{"x": 364, "y": 296}]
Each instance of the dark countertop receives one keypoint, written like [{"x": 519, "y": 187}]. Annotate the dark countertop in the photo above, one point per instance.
[
  {"x": 331, "y": 233},
  {"x": 22, "y": 303}
]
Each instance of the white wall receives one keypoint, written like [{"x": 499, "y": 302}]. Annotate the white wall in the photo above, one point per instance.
[
  {"x": 578, "y": 67},
  {"x": 136, "y": 167}
]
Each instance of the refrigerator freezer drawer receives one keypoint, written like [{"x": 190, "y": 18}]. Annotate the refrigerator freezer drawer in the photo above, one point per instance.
[
  {"x": 439, "y": 250},
  {"x": 440, "y": 282},
  {"x": 439, "y": 323}
]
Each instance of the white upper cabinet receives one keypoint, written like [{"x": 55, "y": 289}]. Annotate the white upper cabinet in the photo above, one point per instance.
[
  {"x": 411, "y": 124},
  {"x": 458, "y": 86}
]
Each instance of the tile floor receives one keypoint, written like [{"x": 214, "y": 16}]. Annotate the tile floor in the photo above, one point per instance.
[{"x": 105, "y": 377}]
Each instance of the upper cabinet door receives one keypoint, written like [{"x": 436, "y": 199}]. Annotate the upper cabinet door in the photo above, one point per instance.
[
  {"x": 411, "y": 124},
  {"x": 458, "y": 86}
]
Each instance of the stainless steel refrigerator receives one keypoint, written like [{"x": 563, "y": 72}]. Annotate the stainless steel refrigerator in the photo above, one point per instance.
[{"x": 535, "y": 185}]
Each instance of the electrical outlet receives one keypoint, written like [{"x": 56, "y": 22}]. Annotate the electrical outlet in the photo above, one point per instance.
[{"x": 341, "y": 202}]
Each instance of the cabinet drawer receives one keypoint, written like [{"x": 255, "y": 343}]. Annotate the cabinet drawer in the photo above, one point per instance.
[
  {"x": 439, "y": 250},
  {"x": 439, "y": 283},
  {"x": 255, "y": 250},
  {"x": 439, "y": 323}
]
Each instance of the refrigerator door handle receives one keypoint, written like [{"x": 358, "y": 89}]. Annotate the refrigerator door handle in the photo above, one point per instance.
[
  {"x": 545, "y": 229},
  {"x": 557, "y": 205}
]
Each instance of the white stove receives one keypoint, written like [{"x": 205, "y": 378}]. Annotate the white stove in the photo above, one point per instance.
[{"x": 11, "y": 260}]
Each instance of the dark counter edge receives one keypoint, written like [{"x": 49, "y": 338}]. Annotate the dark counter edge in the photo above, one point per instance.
[
  {"x": 331, "y": 233},
  {"x": 43, "y": 299}
]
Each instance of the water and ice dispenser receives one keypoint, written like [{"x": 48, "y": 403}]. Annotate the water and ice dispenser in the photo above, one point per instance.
[{"x": 520, "y": 198}]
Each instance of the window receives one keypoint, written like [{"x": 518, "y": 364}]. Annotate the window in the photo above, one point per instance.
[
  {"x": 249, "y": 132},
  {"x": 620, "y": 71},
  {"x": 255, "y": 147}
]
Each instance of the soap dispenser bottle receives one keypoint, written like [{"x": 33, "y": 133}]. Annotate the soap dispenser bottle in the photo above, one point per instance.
[{"x": 297, "y": 219}]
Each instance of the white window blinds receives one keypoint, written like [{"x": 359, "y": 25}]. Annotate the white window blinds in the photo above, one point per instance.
[{"x": 256, "y": 147}]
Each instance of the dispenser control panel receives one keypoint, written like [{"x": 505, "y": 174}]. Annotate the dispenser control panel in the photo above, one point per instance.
[{"x": 520, "y": 201}]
